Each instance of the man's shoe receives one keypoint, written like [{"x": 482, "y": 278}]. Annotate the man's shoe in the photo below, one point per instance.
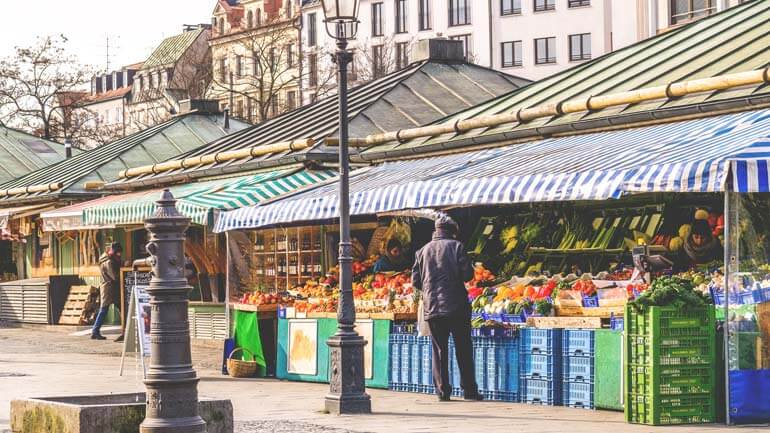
[
  {"x": 98, "y": 337},
  {"x": 474, "y": 397},
  {"x": 119, "y": 339},
  {"x": 444, "y": 398}
]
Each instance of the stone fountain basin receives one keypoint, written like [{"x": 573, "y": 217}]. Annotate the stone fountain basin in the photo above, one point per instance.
[{"x": 110, "y": 413}]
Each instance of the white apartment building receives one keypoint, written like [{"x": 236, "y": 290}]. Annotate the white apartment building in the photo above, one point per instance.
[{"x": 528, "y": 38}]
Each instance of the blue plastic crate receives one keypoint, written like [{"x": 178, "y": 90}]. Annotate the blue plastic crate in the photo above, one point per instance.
[
  {"x": 538, "y": 391},
  {"x": 539, "y": 366},
  {"x": 513, "y": 318},
  {"x": 405, "y": 363},
  {"x": 544, "y": 341},
  {"x": 426, "y": 359},
  {"x": 578, "y": 368},
  {"x": 415, "y": 361},
  {"x": 577, "y": 342},
  {"x": 502, "y": 365},
  {"x": 591, "y": 301},
  {"x": 578, "y": 394},
  {"x": 454, "y": 369},
  {"x": 395, "y": 359},
  {"x": 746, "y": 297},
  {"x": 479, "y": 361},
  {"x": 500, "y": 396}
]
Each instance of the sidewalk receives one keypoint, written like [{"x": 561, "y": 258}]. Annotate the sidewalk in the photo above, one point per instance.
[{"x": 43, "y": 362}]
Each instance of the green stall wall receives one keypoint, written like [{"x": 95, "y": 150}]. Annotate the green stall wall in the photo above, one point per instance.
[
  {"x": 608, "y": 389},
  {"x": 327, "y": 328}
]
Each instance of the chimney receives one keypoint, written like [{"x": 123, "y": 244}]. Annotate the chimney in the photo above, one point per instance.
[
  {"x": 202, "y": 106},
  {"x": 67, "y": 148},
  {"x": 227, "y": 119},
  {"x": 438, "y": 50}
]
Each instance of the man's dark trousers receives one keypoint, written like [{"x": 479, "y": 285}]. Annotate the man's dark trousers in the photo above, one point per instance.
[{"x": 459, "y": 326}]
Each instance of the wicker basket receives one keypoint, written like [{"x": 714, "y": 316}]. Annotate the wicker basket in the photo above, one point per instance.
[{"x": 241, "y": 368}]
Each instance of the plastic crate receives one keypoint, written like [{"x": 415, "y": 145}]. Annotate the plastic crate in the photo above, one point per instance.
[
  {"x": 540, "y": 391},
  {"x": 426, "y": 362},
  {"x": 536, "y": 366},
  {"x": 513, "y": 318},
  {"x": 686, "y": 409},
  {"x": 677, "y": 380},
  {"x": 578, "y": 368},
  {"x": 578, "y": 342},
  {"x": 616, "y": 323},
  {"x": 500, "y": 396},
  {"x": 546, "y": 341},
  {"x": 670, "y": 322},
  {"x": 502, "y": 365},
  {"x": 479, "y": 361},
  {"x": 405, "y": 363},
  {"x": 671, "y": 351},
  {"x": 395, "y": 360},
  {"x": 578, "y": 394},
  {"x": 415, "y": 362}
]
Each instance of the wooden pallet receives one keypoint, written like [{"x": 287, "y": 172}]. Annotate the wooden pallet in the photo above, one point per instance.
[
  {"x": 602, "y": 312},
  {"x": 565, "y": 322},
  {"x": 79, "y": 301}
]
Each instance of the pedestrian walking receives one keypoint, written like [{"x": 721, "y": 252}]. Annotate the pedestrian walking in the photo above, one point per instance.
[
  {"x": 109, "y": 265},
  {"x": 441, "y": 267}
]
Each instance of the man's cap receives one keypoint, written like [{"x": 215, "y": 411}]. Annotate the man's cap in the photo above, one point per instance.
[
  {"x": 116, "y": 247},
  {"x": 446, "y": 222}
]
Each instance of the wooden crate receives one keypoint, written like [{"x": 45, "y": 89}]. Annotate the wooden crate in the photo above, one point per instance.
[{"x": 78, "y": 301}]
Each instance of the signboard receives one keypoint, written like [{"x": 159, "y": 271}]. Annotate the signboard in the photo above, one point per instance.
[
  {"x": 303, "y": 347},
  {"x": 139, "y": 319},
  {"x": 128, "y": 280}
]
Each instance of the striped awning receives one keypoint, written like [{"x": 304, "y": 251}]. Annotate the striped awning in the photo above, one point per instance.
[
  {"x": 199, "y": 201},
  {"x": 686, "y": 156}
]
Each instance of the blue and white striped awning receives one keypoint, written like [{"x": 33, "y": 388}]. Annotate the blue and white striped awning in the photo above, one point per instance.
[{"x": 686, "y": 156}]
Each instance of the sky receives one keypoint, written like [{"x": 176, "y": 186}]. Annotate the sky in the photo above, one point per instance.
[{"x": 134, "y": 27}]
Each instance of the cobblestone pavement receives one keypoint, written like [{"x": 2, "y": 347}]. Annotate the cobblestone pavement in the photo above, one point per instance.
[{"x": 48, "y": 361}]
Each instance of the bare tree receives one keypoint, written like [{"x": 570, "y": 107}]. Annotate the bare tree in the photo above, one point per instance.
[
  {"x": 375, "y": 60},
  {"x": 39, "y": 85}
]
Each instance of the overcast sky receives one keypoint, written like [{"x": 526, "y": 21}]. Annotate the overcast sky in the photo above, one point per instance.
[{"x": 134, "y": 27}]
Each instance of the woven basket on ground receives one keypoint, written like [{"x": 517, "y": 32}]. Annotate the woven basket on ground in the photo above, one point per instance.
[{"x": 241, "y": 367}]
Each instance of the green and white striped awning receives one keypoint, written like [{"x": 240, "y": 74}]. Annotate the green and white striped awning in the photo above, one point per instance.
[{"x": 200, "y": 201}]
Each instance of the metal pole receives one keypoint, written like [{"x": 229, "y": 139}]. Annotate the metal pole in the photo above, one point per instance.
[
  {"x": 729, "y": 262},
  {"x": 347, "y": 392},
  {"x": 172, "y": 385}
]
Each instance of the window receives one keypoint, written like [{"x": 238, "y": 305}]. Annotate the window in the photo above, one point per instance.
[
  {"x": 312, "y": 78},
  {"x": 151, "y": 80},
  {"x": 425, "y": 17},
  {"x": 578, "y": 3},
  {"x": 118, "y": 115},
  {"x": 510, "y": 7},
  {"x": 272, "y": 60},
  {"x": 378, "y": 61},
  {"x": 223, "y": 69},
  {"x": 311, "y": 30},
  {"x": 250, "y": 19},
  {"x": 545, "y": 51},
  {"x": 291, "y": 100},
  {"x": 511, "y": 54},
  {"x": 377, "y": 19},
  {"x": 274, "y": 105},
  {"x": 466, "y": 40},
  {"x": 258, "y": 17},
  {"x": 401, "y": 17},
  {"x": 255, "y": 64},
  {"x": 221, "y": 26},
  {"x": 545, "y": 5},
  {"x": 239, "y": 66},
  {"x": 287, "y": 9},
  {"x": 352, "y": 71},
  {"x": 459, "y": 12},
  {"x": 686, "y": 10},
  {"x": 239, "y": 108},
  {"x": 290, "y": 55},
  {"x": 402, "y": 55},
  {"x": 580, "y": 47}
]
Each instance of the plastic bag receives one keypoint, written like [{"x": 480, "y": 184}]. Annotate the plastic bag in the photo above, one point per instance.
[{"x": 422, "y": 325}]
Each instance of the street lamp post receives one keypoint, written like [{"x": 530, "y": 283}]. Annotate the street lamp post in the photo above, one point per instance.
[{"x": 347, "y": 392}]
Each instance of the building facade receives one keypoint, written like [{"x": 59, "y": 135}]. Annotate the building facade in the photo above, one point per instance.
[
  {"x": 528, "y": 38},
  {"x": 179, "y": 69},
  {"x": 257, "y": 66}
]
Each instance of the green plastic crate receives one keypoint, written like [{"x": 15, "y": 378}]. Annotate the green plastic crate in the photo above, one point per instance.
[
  {"x": 676, "y": 380},
  {"x": 608, "y": 360},
  {"x": 670, "y": 366},
  {"x": 683, "y": 409}
]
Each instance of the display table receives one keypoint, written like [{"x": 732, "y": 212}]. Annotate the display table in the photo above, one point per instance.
[{"x": 304, "y": 356}]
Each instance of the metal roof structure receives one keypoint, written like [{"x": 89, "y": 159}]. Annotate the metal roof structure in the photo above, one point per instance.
[
  {"x": 163, "y": 141},
  {"x": 732, "y": 41},
  {"x": 420, "y": 93},
  {"x": 22, "y": 153},
  {"x": 171, "y": 49}
]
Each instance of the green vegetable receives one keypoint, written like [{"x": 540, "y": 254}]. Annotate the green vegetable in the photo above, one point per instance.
[
  {"x": 671, "y": 291},
  {"x": 543, "y": 307}
]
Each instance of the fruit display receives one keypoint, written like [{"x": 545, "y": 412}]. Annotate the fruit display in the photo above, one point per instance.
[{"x": 258, "y": 298}]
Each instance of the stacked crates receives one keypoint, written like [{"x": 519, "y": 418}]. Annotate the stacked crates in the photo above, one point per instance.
[
  {"x": 670, "y": 366},
  {"x": 578, "y": 368},
  {"x": 401, "y": 346},
  {"x": 540, "y": 357},
  {"x": 496, "y": 362}
]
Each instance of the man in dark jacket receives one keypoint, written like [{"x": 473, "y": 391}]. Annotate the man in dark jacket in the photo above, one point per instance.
[
  {"x": 109, "y": 265},
  {"x": 441, "y": 267}
]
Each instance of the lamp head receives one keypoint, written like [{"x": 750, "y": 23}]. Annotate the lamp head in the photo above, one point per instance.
[{"x": 341, "y": 18}]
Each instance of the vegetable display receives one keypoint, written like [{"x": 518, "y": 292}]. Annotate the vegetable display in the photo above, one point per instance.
[{"x": 674, "y": 291}]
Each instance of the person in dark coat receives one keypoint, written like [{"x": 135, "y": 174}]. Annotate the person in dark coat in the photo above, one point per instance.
[
  {"x": 440, "y": 270},
  {"x": 109, "y": 265}
]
